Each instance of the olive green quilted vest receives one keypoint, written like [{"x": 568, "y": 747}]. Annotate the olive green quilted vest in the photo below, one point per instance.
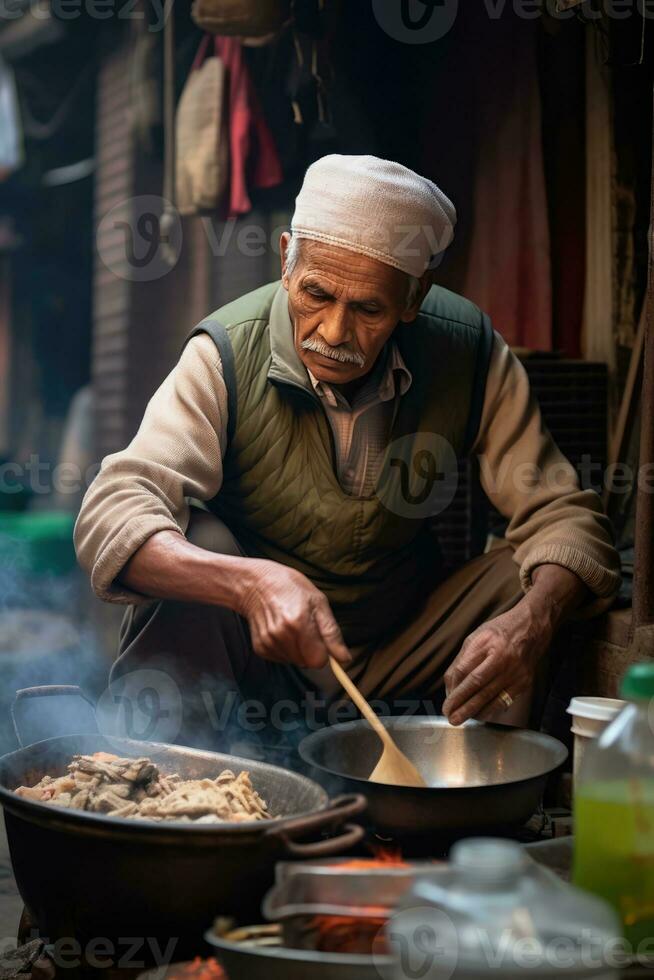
[{"x": 373, "y": 557}]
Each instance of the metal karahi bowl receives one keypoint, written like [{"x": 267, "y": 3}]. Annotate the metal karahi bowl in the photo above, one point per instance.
[{"x": 481, "y": 778}]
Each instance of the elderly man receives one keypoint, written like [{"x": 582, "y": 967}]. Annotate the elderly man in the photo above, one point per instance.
[{"x": 315, "y": 422}]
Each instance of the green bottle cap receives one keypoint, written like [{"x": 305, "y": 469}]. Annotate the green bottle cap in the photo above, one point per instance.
[{"x": 638, "y": 682}]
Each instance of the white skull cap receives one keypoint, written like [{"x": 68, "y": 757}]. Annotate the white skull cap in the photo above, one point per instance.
[{"x": 376, "y": 207}]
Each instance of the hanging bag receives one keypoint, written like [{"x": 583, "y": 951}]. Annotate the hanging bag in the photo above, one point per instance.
[
  {"x": 202, "y": 141},
  {"x": 242, "y": 18}
]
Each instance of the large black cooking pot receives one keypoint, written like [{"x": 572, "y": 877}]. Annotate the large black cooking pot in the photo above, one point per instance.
[
  {"x": 481, "y": 778},
  {"x": 88, "y": 875}
]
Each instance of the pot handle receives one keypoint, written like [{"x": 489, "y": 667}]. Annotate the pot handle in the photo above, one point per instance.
[
  {"x": 44, "y": 712},
  {"x": 340, "y": 808}
]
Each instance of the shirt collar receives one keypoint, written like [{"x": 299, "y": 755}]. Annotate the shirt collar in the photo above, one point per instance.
[{"x": 397, "y": 378}]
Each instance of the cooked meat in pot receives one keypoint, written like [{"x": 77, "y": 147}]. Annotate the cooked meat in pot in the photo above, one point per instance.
[{"x": 104, "y": 783}]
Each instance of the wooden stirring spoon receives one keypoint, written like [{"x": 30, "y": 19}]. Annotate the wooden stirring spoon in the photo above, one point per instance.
[{"x": 393, "y": 768}]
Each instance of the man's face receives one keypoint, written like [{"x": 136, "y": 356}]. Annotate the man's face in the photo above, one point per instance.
[{"x": 344, "y": 307}]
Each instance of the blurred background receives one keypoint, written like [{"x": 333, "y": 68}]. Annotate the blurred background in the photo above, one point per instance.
[{"x": 150, "y": 154}]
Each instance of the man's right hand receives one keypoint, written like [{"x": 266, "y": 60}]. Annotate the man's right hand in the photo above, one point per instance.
[{"x": 290, "y": 619}]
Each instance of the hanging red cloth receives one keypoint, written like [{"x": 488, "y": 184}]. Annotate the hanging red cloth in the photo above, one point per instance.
[
  {"x": 254, "y": 161},
  {"x": 509, "y": 260}
]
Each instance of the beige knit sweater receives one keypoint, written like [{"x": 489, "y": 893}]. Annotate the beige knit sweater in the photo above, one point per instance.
[{"x": 177, "y": 454}]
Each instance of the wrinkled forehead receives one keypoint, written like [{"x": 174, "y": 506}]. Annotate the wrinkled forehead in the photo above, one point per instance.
[{"x": 341, "y": 271}]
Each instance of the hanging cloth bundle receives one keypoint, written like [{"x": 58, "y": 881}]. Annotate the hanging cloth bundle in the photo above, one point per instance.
[
  {"x": 241, "y": 18},
  {"x": 202, "y": 168}
]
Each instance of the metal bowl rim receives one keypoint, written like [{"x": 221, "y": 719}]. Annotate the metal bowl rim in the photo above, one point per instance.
[
  {"x": 35, "y": 812},
  {"x": 437, "y": 721},
  {"x": 299, "y": 955}
]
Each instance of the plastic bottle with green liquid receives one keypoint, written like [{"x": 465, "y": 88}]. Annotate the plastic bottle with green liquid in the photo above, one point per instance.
[{"x": 614, "y": 812}]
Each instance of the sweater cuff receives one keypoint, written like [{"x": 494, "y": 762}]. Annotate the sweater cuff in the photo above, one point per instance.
[
  {"x": 118, "y": 552},
  {"x": 603, "y": 582}
]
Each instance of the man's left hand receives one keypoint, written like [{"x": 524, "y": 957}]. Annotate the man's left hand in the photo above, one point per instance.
[
  {"x": 499, "y": 656},
  {"x": 502, "y": 655}
]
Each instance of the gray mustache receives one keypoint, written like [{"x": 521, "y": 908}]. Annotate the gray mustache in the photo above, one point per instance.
[{"x": 341, "y": 354}]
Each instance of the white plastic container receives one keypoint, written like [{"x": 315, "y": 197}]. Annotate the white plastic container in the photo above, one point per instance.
[
  {"x": 590, "y": 716},
  {"x": 498, "y": 914}
]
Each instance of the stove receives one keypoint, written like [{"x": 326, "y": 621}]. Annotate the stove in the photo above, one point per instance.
[{"x": 395, "y": 872}]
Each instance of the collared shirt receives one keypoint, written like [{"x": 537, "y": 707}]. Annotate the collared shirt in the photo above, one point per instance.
[{"x": 361, "y": 427}]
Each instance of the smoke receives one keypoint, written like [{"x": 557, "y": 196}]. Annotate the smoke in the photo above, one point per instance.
[
  {"x": 163, "y": 702},
  {"x": 47, "y": 637},
  {"x": 45, "y": 634}
]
